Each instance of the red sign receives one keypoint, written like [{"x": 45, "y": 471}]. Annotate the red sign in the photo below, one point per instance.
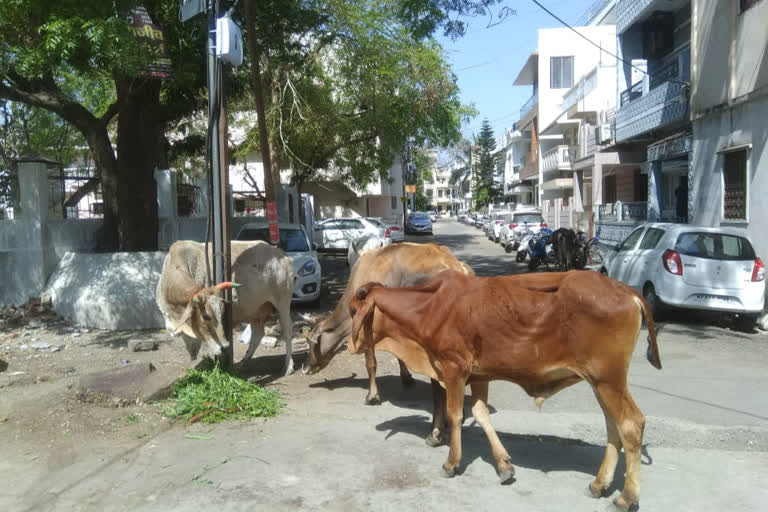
[{"x": 274, "y": 234}]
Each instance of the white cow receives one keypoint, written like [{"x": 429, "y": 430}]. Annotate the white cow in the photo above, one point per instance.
[{"x": 262, "y": 282}]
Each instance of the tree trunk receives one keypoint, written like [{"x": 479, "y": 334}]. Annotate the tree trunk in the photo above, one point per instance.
[
  {"x": 137, "y": 131},
  {"x": 104, "y": 159}
]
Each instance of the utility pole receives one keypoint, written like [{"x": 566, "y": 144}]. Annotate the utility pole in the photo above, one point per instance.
[{"x": 218, "y": 159}]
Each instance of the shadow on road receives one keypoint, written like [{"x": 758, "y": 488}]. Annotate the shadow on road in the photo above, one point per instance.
[{"x": 544, "y": 453}]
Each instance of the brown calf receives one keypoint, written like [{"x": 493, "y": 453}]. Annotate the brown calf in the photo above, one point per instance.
[{"x": 462, "y": 330}]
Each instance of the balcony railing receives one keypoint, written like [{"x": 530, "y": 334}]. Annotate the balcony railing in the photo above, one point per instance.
[
  {"x": 623, "y": 212},
  {"x": 558, "y": 158},
  {"x": 632, "y": 93},
  {"x": 584, "y": 86},
  {"x": 532, "y": 101}
]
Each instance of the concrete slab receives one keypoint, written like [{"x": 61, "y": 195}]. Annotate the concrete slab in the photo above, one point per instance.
[{"x": 132, "y": 382}]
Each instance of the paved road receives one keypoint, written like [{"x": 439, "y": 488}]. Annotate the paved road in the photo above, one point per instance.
[{"x": 705, "y": 446}]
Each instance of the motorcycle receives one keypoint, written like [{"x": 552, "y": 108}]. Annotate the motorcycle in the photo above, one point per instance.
[{"x": 541, "y": 251}]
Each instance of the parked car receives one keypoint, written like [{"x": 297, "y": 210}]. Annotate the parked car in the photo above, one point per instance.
[
  {"x": 362, "y": 245},
  {"x": 295, "y": 242},
  {"x": 418, "y": 222},
  {"x": 519, "y": 222},
  {"x": 432, "y": 215},
  {"x": 445, "y": 213},
  {"x": 336, "y": 234},
  {"x": 498, "y": 220},
  {"x": 692, "y": 267},
  {"x": 391, "y": 230}
]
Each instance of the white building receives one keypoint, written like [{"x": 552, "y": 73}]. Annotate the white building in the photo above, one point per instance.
[
  {"x": 512, "y": 148},
  {"x": 573, "y": 82}
]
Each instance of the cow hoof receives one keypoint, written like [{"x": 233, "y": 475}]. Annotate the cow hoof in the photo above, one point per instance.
[
  {"x": 507, "y": 476},
  {"x": 621, "y": 503},
  {"x": 374, "y": 400},
  {"x": 408, "y": 381},
  {"x": 434, "y": 440},
  {"x": 596, "y": 491},
  {"x": 448, "y": 472}
]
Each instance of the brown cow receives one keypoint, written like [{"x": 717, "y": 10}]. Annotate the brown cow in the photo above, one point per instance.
[
  {"x": 400, "y": 264},
  {"x": 462, "y": 329}
]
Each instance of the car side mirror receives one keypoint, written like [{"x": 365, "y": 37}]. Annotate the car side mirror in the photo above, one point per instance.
[{"x": 314, "y": 246}]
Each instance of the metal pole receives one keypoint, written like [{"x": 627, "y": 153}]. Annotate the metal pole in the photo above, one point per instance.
[{"x": 221, "y": 244}]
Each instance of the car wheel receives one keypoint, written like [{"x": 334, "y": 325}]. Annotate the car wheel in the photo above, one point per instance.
[
  {"x": 497, "y": 240},
  {"x": 745, "y": 322},
  {"x": 520, "y": 256},
  {"x": 654, "y": 303},
  {"x": 507, "y": 248}
]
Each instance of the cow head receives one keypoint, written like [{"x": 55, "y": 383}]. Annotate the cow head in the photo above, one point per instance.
[
  {"x": 202, "y": 321},
  {"x": 361, "y": 310}
]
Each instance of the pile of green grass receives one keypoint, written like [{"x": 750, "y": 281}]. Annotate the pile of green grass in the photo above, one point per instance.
[{"x": 213, "y": 396}]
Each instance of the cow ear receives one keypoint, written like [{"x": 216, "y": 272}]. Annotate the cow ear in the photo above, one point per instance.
[
  {"x": 188, "y": 311},
  {"x": 363, "y": 313}
]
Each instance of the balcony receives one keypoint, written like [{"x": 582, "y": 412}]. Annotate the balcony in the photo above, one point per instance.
[
  {"x": 659, "y": 101},
  {"x": 629, "y": 12},
  {"x": 558, "y": 184},
  {"x": 558, "y": 158},
  {"x": 580, "y": 90}
]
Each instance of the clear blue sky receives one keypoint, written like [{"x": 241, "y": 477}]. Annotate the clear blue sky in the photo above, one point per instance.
[{"x": 487, "y": 60}]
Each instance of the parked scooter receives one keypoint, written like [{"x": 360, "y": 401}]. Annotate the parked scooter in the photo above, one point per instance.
[
  {"x": 541, "y": 251},
  {"x": 524, "y": 245}
]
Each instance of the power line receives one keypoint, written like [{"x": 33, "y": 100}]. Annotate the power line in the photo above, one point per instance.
[{"x": 597, "y": 45}]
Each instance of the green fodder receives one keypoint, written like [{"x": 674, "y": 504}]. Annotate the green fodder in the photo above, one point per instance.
[{"x": 212, "y": 396}]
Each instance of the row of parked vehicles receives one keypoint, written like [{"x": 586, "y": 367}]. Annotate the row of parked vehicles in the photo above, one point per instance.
[{"x": 671, "y": 265}]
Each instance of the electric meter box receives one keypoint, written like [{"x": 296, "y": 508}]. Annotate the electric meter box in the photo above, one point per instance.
[{"x": 229, "y": 41}]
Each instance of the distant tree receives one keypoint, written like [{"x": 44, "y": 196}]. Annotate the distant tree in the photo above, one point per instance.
[
  {"x": 485, "y": 188},
  {"x": 424, "y": 163}
]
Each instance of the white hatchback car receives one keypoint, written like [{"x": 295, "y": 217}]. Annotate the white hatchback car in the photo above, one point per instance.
[
  {"x": 336, "y": 234},
  {"x": 692, "y": 267},
  {"x": 295, "y": 243},
  {"x": 522, "y": 220}
]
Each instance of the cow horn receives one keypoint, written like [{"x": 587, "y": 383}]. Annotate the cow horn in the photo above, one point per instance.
[{"x": 228, "y": 284}]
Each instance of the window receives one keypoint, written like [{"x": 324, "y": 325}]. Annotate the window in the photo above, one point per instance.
[
  {"x": 746, "y": 4},
  {"x": 430, "y": 192},
  {"x": 394, "y": 203},
  {"x": 735, "y": 185},
  {"x": 352, "y": 224},
  {"x": 651, "y": 238},
  {"x": 630, "y": 242},
  {"x": 561, "y": 72},
  {"x": 715, "y": 246},
  {"x": 334, "y": 224},
  {"x": 440, "y": 192}
]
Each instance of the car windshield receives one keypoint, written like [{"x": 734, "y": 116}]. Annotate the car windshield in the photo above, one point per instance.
[
  {"x": 291, "y": 239},
  {"x": 419, "y": 216},
  {"x": 530, "y": 218},
  {"x": 716, "y": 246}
]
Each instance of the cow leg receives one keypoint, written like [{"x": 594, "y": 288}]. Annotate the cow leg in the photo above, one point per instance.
[
  {"x": 373, "y": 397},
  {"x": 257, "y": 333},
  {"x": 286, "y": 329},
  {"x": 630, "y": 423},
  {"x": 483, "y": 417},
  {"x": 435, "y": 437},
  {"x": 608, "y": 467},
  {"x": 406, "y": 379},
  {"x": 454, "y": 393}
]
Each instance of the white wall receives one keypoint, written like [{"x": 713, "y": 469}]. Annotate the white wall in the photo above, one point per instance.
[
  {"x": 745, "y": 124},
  {"x": 562, "y": 42}
]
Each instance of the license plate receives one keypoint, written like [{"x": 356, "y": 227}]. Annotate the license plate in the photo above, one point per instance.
[{"x": 703, "y": 297}]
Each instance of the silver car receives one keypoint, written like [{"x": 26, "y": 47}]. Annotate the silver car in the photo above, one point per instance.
[
  {"x": 391, "y": 229},
  {"x": 692, "y": 267},
  {"x": 295, "y": 243}
]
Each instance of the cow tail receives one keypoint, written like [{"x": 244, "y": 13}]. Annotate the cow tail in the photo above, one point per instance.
[{"x": 652, "y": 353}]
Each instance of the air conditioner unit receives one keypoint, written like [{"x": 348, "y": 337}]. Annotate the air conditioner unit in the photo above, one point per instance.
[{"x": 603, "y": 134}]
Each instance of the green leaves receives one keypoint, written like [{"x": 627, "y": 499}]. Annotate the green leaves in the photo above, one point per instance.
[{"x": 485, "y": 190}]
